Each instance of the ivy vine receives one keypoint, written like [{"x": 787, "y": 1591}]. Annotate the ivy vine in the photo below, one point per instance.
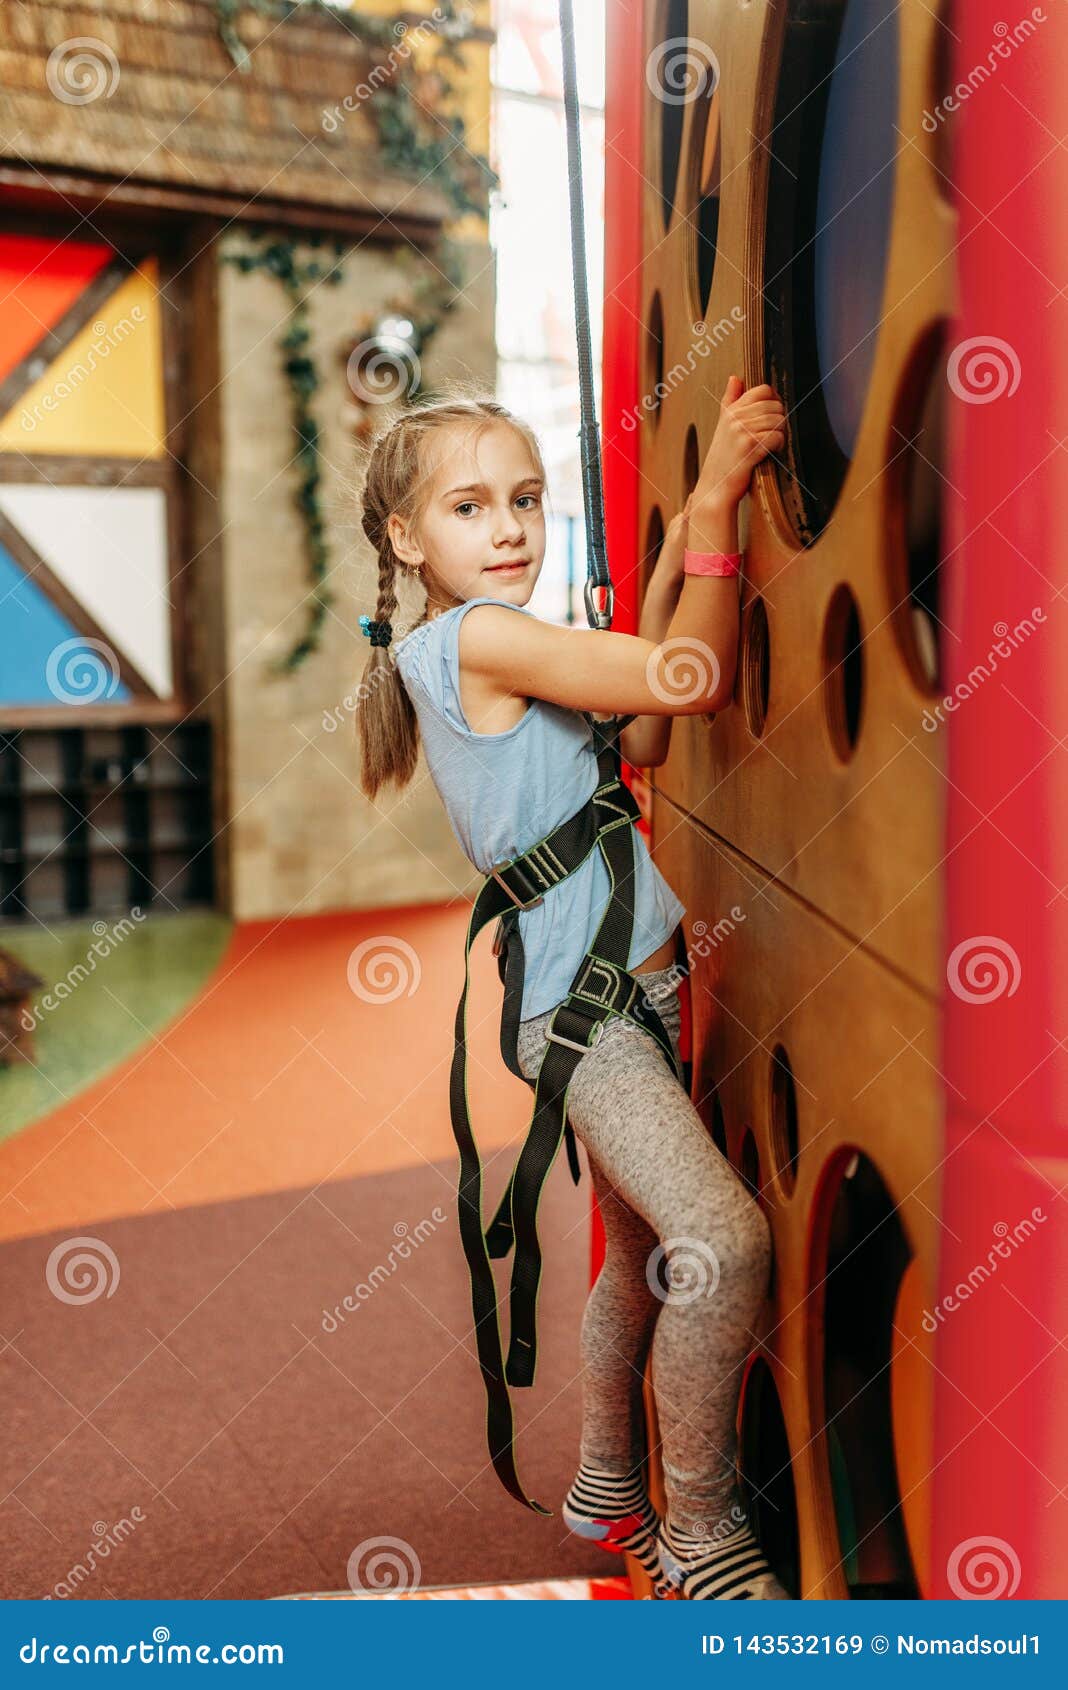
[
  {"x": 409, "y": 138},
  {"x": 399, "y": 103},
  {"x": 278, "y": 257}
]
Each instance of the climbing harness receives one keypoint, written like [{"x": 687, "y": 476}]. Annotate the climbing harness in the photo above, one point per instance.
[{"x": 602, "y": 986}]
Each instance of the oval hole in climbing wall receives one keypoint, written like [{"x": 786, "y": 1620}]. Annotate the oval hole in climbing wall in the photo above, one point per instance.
[
  {"x": 654, "y": 360},
  {"x": 831, "y": 173},
  {"x": 860, "y": 1257},
  {"x": 843, "y": 671},
  {"x": 677, "y": 74},
  {"x": 916, "y": 488},
  {"x": 767, "y": 1476}
]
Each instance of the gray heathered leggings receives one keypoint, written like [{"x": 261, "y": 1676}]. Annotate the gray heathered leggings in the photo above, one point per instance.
[{"x": 687, "y": 1260}]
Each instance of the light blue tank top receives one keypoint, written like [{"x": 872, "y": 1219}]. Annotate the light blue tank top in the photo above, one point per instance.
[{"x": 505, "y": 791}]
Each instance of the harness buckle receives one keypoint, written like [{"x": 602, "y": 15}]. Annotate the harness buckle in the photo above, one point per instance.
[
  {"x": 601, "y": 982},
  {"x": 527, "y": 903},
  {"x": 573, "y": 1044}
]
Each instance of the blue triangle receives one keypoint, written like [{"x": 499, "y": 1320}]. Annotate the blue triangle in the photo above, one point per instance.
[{"x": 43, "y": 658}]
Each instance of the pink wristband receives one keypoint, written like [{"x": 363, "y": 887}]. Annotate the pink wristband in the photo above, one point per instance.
[{"x": 711, "y": 563}]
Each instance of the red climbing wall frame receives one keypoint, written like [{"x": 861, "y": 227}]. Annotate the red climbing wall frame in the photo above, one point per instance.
[
  {"x": 1001, "y": 1456},
  {"x": 867, "y": 841}
]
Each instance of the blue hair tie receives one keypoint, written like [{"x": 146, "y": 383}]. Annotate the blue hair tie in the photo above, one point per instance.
[{"x": 379, "y": 633}]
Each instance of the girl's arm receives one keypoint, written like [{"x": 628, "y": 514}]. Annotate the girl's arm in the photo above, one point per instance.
[
  {"x": 646, "y": 740},
  {"x": 690, "y": 669}
]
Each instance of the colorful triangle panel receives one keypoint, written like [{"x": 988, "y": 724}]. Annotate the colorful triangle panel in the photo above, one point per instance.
[
  {"x": 40, "y": 279},
  {"x": 102, "y": 394},
  {"x": 108, "y": 545},
  {"x": 43, "y": 659}
]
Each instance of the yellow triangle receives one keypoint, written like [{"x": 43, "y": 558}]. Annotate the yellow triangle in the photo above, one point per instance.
[{"x": 102, "y": 395}]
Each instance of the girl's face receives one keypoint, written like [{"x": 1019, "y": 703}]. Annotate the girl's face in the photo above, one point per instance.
[{"x": 481, "y": 533}]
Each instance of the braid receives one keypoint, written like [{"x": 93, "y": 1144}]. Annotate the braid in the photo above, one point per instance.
[
  {"x": 386, "y": 722},
  {"x": 387, "y": 582}
]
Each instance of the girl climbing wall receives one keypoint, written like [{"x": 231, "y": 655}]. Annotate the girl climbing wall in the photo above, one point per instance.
[{"x": 503, "y": 704}]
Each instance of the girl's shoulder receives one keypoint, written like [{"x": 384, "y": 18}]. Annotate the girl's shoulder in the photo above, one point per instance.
[
  {"x": 439, "y": 634},
  {"x": 428, "y": 659},
  {"x": 441, "y": 624}
]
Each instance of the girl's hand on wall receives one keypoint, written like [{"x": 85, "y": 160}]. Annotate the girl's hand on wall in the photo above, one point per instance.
[{"x": 752, "y": 423}]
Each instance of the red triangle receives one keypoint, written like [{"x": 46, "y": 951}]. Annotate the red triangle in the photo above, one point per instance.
[{"x": 40, "y": 278}]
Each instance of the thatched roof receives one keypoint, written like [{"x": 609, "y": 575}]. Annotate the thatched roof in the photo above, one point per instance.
[{"x": 170, "y": 109}]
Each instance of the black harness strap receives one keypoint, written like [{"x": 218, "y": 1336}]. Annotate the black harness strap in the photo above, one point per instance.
[{"x": 602, "y": 987}]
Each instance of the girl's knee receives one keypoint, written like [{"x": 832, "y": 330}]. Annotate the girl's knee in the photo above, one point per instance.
[{"x": 736, "y": 1246}]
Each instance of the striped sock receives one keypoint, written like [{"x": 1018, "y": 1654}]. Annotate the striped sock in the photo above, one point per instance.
[
  {"x": 729, "y": 1566},
  {"x": 614, "y": 1511}
]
